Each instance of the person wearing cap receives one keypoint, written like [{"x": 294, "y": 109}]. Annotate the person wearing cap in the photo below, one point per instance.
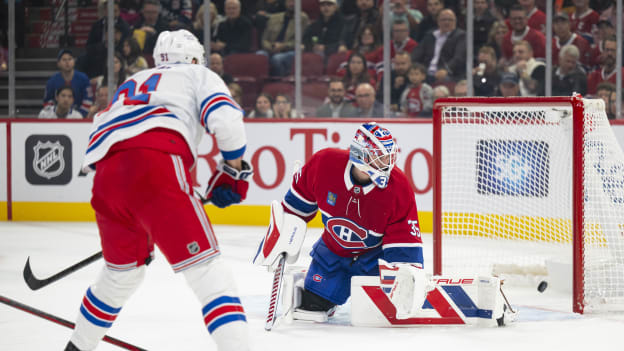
[
  {"x": 564, "y": 36},
  {"x": 323, "y": 35},
  {"x": 64, "y": 98},
  {"x": 68, "y": 76},
  {"x": 508, "y": 85}
]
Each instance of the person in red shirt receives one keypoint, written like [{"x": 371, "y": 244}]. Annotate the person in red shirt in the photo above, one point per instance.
[
  {"x": 584, "y": 19},
  {"x": 536, "y": 18},
  {"x": 521, "y": 31},
  {"x": 606, "y": 72},
  {"x": 564, "y": 36}
]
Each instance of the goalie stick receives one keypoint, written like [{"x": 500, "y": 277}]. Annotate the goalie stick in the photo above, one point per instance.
[
  {"x": 275, "y": 291},
  {"x": 58, "y": 320},
  {"x": 35, "y": 283}
]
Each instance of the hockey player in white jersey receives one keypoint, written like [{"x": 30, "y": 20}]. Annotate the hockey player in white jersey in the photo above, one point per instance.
[{"x": 142, "y": 147}]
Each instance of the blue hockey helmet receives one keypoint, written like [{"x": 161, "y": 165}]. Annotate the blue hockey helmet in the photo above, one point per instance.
[{"x": 374, "y": 151}]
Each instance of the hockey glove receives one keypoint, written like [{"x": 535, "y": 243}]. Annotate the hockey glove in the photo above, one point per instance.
[{"x": 228, "y": 185}]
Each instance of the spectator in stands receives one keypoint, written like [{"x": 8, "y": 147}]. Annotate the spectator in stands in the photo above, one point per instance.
[
  {"x": 198, "y": 23},
  {"x": 401, "y": 40},
  {"x": 605, "y": 30},
  {"x": 508, "y": 85},
  {"x": 129, "y": 10},
  {"x": 606, "y": 72},
  {"x": 237, "y": 92},
  {"x": 119, "y": 75},
  {"x": 400, "y": 10},
  {"x": 150, "y": 25},
  {"x": 368, "y": 43},
  {"x": 132, "y": 56},
  {"x": 282, "y": 108},
  {"x": 443, "y": 51},
  {"x": 495, "y": 40},
  {"x": 323, "y": 35},
  {"x": 234, "y": 33},
  {"x": 603, "y": 91},
  {"x": 95, "y": 59},
  {"x": 569, "y": 77},
  {"x": 398, "y": 79},
  {"x": 177, "y": 13},
  {"x": 417, "y": 98},
  {"x": 278, "y": 39},
  {"x": 263, "y": 107},
  {"x": 366, "y": 105},
  {"x": 440, "y": 91},
  {"x": 461, "y": 88},
  {"x": 584, "y": 20},
  {"x": 216, "y": 65},
  {"x": 356, "y": 74},
  {"x": 486, "y": 76},
  {"x": 521, "y": 31},
  {"x": 68, "y": 76},
  {"x": 101, "y": 101},
  {"x": 532, "y": 73},
  {"x": 367, "y": 14},
  {"x": 483, "y": 21},
  {"x": 612, "y": 107},
  {"x": 336, "y": 106},
  {"x": 430, "y": 21},
  {"x": 536, "y": 18},
  {"x": 563, "y": 36},
  {"x": 63, "y": 108}
]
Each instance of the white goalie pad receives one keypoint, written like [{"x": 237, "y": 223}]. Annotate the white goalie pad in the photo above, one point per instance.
[
  {"x": 458, "y": 300},
  {"x": 285, "y": 235}
]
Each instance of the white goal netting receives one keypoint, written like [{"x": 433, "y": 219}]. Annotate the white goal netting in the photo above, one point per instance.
[{"x": 506, "y": 195}]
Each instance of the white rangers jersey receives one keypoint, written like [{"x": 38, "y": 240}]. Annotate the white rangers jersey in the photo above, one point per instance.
[{"x": 187, "y": 98}]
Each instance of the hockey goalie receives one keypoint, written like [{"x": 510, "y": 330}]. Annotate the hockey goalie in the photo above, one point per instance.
[{"x": 371, "y": 247}]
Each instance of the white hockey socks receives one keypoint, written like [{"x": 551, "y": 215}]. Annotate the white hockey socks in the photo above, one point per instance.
[
  {"x": 102, "y": 303},
  {"x": 221, "y": 308}
]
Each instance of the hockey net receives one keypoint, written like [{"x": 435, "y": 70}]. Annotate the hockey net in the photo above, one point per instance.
[{"x": 525, "y": 185}]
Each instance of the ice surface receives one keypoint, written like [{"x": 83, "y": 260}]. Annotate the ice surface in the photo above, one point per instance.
[{"x": 164, "y": 315}]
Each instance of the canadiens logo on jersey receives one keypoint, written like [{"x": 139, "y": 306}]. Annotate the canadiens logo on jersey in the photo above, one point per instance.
[{"x": 349, "y": 235}]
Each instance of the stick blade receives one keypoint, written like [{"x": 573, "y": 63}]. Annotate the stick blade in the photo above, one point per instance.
[{"x": 30, "y": 279}]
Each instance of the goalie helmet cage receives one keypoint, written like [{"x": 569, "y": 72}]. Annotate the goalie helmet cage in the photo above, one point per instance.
[{"x": 524, "y": 181}]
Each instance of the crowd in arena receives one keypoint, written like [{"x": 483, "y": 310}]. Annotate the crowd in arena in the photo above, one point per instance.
[{"x": 343, "y": 52}]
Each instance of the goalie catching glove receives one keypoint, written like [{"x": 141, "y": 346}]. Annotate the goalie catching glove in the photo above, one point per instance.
[
  {"x": 284, "y": 236},
  {"x": 228, "y": 185}
]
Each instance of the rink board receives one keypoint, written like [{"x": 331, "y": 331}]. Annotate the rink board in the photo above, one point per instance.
[{"x": 45, "y": 159}]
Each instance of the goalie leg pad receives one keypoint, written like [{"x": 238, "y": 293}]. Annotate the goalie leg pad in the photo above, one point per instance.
[
  {"x": 409, "y": 288},
  {"x": 285, "y": 235},
  {"x": 102, "y": 303}
]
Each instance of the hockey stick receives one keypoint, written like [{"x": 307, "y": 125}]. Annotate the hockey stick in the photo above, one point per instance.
[
  {"x": 35, "y": 283},
  {"x": 275, "y": 291},
  {"x": 63, "y": 322}
]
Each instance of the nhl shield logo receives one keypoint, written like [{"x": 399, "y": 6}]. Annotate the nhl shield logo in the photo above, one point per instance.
[
  {"x": 193, "y": 247},
  {"x": 48, "y": 161}
]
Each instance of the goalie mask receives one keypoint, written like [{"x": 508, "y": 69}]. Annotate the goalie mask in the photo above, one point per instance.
[
  {"x": 179, "y": 46},
  {"x": 374, "y": 152}
]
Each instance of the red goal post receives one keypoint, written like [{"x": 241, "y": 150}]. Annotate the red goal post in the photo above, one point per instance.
[{"x": 524, "y": 182}]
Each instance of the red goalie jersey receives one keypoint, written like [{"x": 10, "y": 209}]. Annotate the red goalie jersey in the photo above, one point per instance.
[{"x": 357, "y": 218}]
